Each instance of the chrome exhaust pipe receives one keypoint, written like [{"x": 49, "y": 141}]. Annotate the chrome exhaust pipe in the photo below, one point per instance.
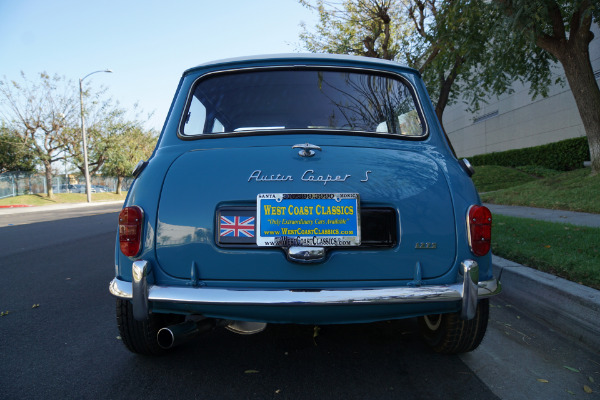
[{"x": 175, "y": 335}]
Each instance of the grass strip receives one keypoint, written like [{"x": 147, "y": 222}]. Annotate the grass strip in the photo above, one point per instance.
[
  {"x": 59, "y": 198},
  {"x": 489, "y": 178},
  {"x": 569, "y": 251},
  {"x": 574, "y": 190}
]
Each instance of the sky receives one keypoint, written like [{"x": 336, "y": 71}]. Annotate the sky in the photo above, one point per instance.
[{"x": 147, "y": 44}]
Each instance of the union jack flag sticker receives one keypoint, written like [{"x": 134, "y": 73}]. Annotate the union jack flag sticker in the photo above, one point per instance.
[{"x": 236, "y": 226}]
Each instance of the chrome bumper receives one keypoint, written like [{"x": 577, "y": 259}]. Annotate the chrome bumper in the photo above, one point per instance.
[{"x": 468, "y": 292}]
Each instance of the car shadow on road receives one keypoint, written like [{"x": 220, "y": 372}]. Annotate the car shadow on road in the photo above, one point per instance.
[{"x": 377, "y": 360}]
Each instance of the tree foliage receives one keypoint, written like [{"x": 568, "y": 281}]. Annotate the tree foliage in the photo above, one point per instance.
[
  {"x": 104, "y": 120},
  {"x": 463, "y": 48},
  {"x": 43, "y": 122},
  {"x": 13, "y": 155},
  {"x": 465, "y": 51},
  {"x": 99, "y": 111},
  {"x": 472, "y": 49},
  {"x": 39, "y": 113},
  {"x": 371, "y": 28},
  {"x": 126, "y": 144}
]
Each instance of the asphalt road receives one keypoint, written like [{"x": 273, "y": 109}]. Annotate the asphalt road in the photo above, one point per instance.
[{"x": 59, "y": 340}]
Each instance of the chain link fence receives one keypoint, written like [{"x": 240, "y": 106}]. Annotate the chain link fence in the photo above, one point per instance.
[{"x": 21, "y": 183}]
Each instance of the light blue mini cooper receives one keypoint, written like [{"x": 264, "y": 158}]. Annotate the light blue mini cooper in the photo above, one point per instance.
[{"x": 308, "y": 189}]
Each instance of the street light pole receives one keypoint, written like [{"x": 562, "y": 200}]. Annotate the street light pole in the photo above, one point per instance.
[{"x": 88, "y": 186}]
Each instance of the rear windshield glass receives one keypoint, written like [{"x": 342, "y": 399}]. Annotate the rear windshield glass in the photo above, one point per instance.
[{"x": 302, "y": 99}]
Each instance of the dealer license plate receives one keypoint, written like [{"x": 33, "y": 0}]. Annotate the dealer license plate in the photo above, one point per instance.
[{"x": 308, "y": 219}]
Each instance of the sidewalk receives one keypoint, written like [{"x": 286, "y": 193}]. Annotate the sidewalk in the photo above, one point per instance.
[
  {"x": 53, "y": 207},
  {"x": 561, "y": 216}
]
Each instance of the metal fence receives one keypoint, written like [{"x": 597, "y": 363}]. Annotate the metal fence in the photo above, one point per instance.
[{"x": 21, "y": 183}]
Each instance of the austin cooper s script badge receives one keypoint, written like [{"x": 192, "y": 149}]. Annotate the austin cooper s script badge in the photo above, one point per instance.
[{"x": 308, "y": 176}]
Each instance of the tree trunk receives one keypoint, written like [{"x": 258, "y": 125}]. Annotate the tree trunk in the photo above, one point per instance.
[
  {"x": 445, "y": 88},
  {"x": 17, "y": 175},
  {"x": 445, "y": 133},
  {"x": 573, "y": 53},
  {"x": 580, "y": 75},
  {"x": 119, "y": 183},
  {"x": 48, "y": 175}
]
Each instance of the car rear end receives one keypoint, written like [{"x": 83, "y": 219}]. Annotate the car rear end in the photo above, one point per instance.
[{"x": 311, "y": 190}]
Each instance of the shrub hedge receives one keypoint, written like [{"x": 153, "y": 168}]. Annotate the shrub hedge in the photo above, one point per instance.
[{"x": 565, "y": 155}]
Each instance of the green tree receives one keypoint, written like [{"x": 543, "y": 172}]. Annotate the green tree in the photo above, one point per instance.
[
  {"x": 464, "y": 53},
  {"x": 39, "y": 113},
  {"x": 99, "y": 111},
  {"x": 562, "y": 29},
  {"x": 371, "y": 28},
  {"x": 13, "y": 154},
  {"x": 104, "y": 119},
  {"x": 127, "y": 144},
  {"x": 455, "y": 44}
]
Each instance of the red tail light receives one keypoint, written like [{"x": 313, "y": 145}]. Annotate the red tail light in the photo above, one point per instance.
[
  {"x": 479, "y": 225},
  {"x": 130, "y": 230}
]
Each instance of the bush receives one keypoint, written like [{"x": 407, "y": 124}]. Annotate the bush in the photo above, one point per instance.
[{"x": 565, "y": 155}]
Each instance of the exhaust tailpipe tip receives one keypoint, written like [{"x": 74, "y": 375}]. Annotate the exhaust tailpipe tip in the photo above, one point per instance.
[
  {"x": 174, "y": 335},
  {"x": 165, "y": 338}
]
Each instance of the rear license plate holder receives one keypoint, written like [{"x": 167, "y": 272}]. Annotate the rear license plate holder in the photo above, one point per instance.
[{"x": 308, "y": 219}]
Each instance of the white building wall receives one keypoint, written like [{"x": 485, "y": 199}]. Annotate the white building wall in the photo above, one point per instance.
[{"x": 516, "y": 121}]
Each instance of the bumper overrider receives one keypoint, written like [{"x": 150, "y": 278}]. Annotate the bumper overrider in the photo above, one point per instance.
[{"x": 468, "y": 291}]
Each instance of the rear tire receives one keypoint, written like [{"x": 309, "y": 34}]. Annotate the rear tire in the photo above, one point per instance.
[
  {"x": 449, "y": 334},
  {"x": 140, "y": 336}
]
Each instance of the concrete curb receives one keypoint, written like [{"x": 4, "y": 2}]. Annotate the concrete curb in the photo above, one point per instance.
[{"x": 568, "y": 307}]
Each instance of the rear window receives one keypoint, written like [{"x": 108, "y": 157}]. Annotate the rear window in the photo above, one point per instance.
[{"x": 302, "y": 99}]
